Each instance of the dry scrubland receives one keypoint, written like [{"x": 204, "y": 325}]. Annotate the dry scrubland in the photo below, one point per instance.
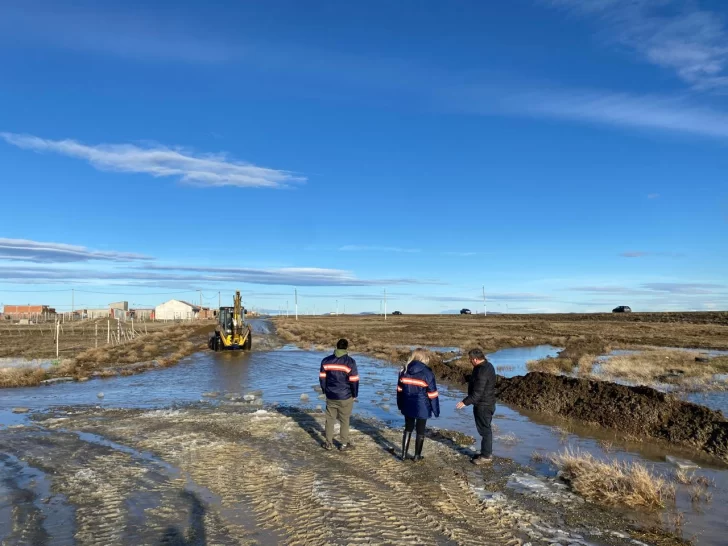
[
  {"x": 163, "y": 345},
  {"x": 687, "y": 370},
  {"x": 579, "y": 335}
]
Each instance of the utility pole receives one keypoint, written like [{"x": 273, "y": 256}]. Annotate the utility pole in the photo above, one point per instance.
[
  {"x": 200, "y": 291},
  {"x": 286, "y": 308},
  {"x": 485, "y": 309},
  {"x": 295, "y": 294},
  {"x": 385, "y": 304},
  {"x": 73, "y": 294},
  {"x": 218, "y": 299}
]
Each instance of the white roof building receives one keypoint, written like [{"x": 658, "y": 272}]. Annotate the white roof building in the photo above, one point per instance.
[{"x": 176, "y": 310}]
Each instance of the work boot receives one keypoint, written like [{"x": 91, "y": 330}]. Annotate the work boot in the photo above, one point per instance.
[
  {"x": 406, "y": 437},
  {"x": 327, "y": 446},
  {"x": 346, "y": 447},
  {"x": 479, "y": 460},
  {"x": 419, "y": 441}
]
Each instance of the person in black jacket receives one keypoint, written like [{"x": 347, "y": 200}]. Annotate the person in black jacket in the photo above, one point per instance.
[
  {"x": 481, "y": 395},
  {"x": 417, "y": 399},
  {"x": 339, "y": 380}
]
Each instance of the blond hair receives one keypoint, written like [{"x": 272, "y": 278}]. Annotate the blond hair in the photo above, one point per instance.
[{"x": 422, "y": 355}]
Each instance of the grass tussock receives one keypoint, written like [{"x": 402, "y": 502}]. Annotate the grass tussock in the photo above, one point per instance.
[
  {"x": 538, "y": 457},
  {"x": 21, "y": 377},
  {"x": 550, "y": 365},
  {"x": 677, "y": 367},
  {"x": 613, "y": 483}
]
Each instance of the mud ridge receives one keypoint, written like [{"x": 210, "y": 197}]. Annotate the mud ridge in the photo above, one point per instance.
[{"x": 636, "y": 411}]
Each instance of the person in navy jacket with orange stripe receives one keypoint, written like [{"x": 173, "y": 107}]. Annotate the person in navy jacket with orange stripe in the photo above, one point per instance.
[
  {"x": 339, "y": 380},
  {"x": 417, "y": 399}
]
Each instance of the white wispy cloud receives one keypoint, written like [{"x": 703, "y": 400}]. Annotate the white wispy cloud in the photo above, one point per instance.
[
  {"x": 197, "y": 276},
  {"x": 293, "y": 276},
  {"x": 673, "y": 34},
  {"x": 651, "y": 112},
  {"x": 42, "y": 252},
  {"x": 375, "y": 248},
  {"x": 208, "y": 170}
]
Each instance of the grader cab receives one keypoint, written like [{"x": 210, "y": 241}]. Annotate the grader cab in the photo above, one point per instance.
[{"x": 232, "y": 332}]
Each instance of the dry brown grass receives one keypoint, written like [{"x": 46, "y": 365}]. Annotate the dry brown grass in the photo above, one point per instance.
[
  {"x": 682, "y": 477},
  {"x": 550, "y": 365},
  {"x": 613, "y": 483},
  {"x": 160, "y": 348},
  {"x": 38, "y": 340},
  {"x": 606, "y": 445},
  {"x": 665, "y": 366},
  {"x": 580, "y": 335},
  {"x": 538, "y": 457}
]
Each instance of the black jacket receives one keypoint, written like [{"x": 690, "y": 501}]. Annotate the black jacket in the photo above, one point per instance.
[
  {"x": 339, "y": 378},
  {"x": 481, "y": 387}
]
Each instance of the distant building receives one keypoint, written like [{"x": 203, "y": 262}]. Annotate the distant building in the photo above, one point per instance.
[
  {"x": 176, "y": 310},
  {"x": 142, "y": 313},
  {"x": 16, "y": 312},
  {"x": 102, "y": 312},
  {"x": 121, "y": 305}
]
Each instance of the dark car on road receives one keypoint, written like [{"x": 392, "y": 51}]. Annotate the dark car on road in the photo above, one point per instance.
[
  {"x": 397, "y": 313},
  {"x": 465, "y": 312},
  {"x": 622, "y": 309}
]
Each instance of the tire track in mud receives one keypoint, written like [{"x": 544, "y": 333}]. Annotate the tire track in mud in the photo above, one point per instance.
[
  {"x": 270, "y": 466},
  {"x": 118, "y": 499}
]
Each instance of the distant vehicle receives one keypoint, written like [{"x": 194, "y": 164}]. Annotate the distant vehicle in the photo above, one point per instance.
[
  {"x": 622, "y": 309},
  {"x": 465, "y": 312},
  {"x": 397, "y": 312}
]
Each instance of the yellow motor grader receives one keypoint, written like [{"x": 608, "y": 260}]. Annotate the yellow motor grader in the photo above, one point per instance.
[{"x": 232, "y": 332}]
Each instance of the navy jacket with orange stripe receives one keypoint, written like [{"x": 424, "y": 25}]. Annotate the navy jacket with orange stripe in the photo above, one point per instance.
[
  {"x": 417, "y": 392},
  {"x": 339, "y": 378}
]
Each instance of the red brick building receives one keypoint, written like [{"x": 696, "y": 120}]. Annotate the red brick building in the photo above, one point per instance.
[{"x": 14, "y": 312}]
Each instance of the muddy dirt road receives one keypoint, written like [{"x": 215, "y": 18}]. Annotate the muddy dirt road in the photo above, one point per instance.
[{"x": 236, "y": 475}]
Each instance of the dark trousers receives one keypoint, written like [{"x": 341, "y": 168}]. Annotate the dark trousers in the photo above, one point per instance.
[
  {"x": 411, "y": 422},
  {"x": 483, "y": 416}
]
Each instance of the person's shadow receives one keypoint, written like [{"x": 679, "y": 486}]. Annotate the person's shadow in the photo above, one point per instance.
[
  {"x": 196, "y": 535},
  {"x": 306, "y": 421}
]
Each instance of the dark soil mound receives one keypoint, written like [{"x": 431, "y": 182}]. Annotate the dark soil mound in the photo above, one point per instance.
[{"x": 637, "y": 411}]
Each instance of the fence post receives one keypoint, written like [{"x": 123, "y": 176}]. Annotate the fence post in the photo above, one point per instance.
[
  {"x": 58, "y": 335},
  {"x": 108, "y": 332},
  {"x": 96, "y": 333}
]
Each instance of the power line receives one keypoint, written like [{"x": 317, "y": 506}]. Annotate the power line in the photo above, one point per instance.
[{"x": 33, "y": 291}]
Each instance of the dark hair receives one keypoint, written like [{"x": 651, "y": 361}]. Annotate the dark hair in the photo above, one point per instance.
[
  {"x": 342, "y": 345},
  {"x": 476, "y": 354}
]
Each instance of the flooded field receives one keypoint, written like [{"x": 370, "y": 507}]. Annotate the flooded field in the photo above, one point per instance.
[{"x": 287, "y": 377}]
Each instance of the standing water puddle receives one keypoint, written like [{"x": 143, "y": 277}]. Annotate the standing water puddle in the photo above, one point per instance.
[{"x": 290, "y": 376}]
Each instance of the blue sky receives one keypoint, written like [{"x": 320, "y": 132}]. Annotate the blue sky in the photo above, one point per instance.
[{"x": 568, "y": 155}]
